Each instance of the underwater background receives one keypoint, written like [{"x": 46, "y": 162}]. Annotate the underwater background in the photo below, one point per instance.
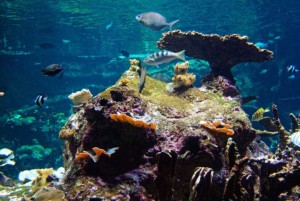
[{"x": 89, "y": 38}]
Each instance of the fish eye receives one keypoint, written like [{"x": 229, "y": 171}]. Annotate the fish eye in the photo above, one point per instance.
[{"x": 138, "y": 17}]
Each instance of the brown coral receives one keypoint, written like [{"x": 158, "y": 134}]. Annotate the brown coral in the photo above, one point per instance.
[
  {"x": 222, "y": 52},
  {"x": 66, "y": 133}
]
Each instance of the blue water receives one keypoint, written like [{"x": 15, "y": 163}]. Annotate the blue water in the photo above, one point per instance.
[{"x": 89, "y": 55}]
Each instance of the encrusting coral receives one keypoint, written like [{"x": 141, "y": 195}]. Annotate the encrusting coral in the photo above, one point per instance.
[{"x": 182, "y": 79}]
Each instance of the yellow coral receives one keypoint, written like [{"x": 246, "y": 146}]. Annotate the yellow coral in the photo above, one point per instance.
[
  {"x": 134, "y": 64},
  {"x": 181, "y": 78},
  {"x": 66, "y": 133},
  {"x": 218, "y": 127},
  {"x": 123, "y": 118},
  {"x": 41, "y": 179}
]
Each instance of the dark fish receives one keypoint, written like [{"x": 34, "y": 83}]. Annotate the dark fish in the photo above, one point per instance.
[
  {"x": 292, "y": 70},
  {"x": 124, "y": 53},
  {"x": 52, "y": 70},
  {"x": 142, "y": 78},
  {"x": 163, "y": 57},
  {"x": 40, "y": 100},
  {"x": 46, "y": 45},
  {"x": 154, "y": 21}
]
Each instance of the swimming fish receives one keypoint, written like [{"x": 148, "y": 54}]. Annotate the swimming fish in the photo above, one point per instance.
[
  {"x": 40, "y": 100},
  {"x": 164, "y": 57},
  {"x": 107, "y": 27},
  {"x": 258, "y": 115},
  {"x": 124, "y": 53},
  {"x": 154, "y": 21},
  {"x": 295, "y": 138},
  {"x": 2, "y": 93},
  {"x": 261, "y": 45},
  {"x": 142, "y": 78},
  {"x": 293, "y": 70},
  {"x": 52, "y": 70}
]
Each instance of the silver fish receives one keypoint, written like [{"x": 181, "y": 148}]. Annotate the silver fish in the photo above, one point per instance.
[
  {"x": 164, "y": 57},
  {"x": 154, "y": 21}
]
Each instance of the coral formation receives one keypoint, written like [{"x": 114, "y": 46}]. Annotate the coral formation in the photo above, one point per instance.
[
  {"x": 218, "y": 127},
  {"x": 222, "y": 52},
  {"x": 80, "y": 97},
  {"x": 49, "y": 193},
  {"x": 181, "y": 79},
  {"x": 41, "y": 180}
]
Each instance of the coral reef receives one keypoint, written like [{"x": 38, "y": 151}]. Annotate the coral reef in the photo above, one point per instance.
[
  {"x": 41, "y": 179},
  {"x": 80, "y": 97},
  {"x": 222, "y": 52},
  {"x": 181, "y": 79},
  {"x": 163, "y": 151}
]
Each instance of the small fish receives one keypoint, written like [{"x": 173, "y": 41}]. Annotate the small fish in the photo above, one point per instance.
[
  {"x": 66, "y": 41},
  {"x": 258, "y": 115},
  {"x": 261, "y": 45},
  {"x": 154, "y": 21},
  {"x": 124, "y": 53},
  {"x": 295, "y": 138},
  {"x": 263, "y": 71},
  {"x": 107, "y": 27},
  {"x": 52, "y": 70},
  {"x": 40, "y": 100},
  {"x": 164, "y": 57},
  {"x": 292, "y": 69},
  {"x": 46, "y": 45},
  {"x": 2, "y": 93},
  {"x": 142, "y": 78}
]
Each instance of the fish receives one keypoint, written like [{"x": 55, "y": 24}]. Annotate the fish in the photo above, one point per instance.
[
  {"x": 2, "y": 93},
  {"x": 263, "y": 71},
  {"x": 295, "y": 138},
  {"x": 40, "y": 100},
  {"x": 107, "y": 27},
  {"x": 261, "y": 45},
  {"x": 292, "y": 70},
  {"x": 164, "y": 57},
  {"x": 142, "y": 78},
  {"x": 124, "y": 53},
  {"x": 258, "y": 115},
  {"x": 46, "y": 45},
  {"x": 52, "y": 70},
  {"x": 66, "y": 41},
  {"x": 154, "y": 21}
]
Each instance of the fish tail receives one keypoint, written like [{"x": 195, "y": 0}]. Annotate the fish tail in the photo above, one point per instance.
[
  {"x": 172, "y": 23},
  {"x": 181, "y": 55},
  {"x": 267, "y": 109}
]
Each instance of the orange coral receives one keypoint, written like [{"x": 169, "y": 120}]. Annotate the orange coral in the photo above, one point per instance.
[
  {"x": 218, "y": 127},
  {"x": 123, "y": 118},
  {"x": 98, "y": 152}
]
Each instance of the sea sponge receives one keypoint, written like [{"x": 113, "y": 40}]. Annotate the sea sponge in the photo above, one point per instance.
[
  {"x": 123, "y": 118},
  {"x": 41, "y": 179},
  {"x": 181, "y": 78},
  {"x": 134, "y": 64},
  {"x": 66, "y": 133},
  {"x": 80, "y": 97},
  {"x": 49, "y": 193},
  {"x": 217, "y": 127}
]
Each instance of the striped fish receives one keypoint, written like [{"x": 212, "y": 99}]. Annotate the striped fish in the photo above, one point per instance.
[
  {"x": 258, "y": 115},
  {"x": 164, "y": 57},
  {"x": 295, "y": 138}
]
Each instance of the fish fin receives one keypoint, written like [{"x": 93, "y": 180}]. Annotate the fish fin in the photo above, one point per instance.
[
  {"x": 267, "y": 110},
  {"x": 181, "y": 55},
  {"x": 172, "y": 23}
]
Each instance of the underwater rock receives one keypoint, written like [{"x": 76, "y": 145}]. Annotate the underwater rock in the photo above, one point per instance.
[
  {"x": 179, "y": 146},
  {"x": 222, "y": 52}
]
